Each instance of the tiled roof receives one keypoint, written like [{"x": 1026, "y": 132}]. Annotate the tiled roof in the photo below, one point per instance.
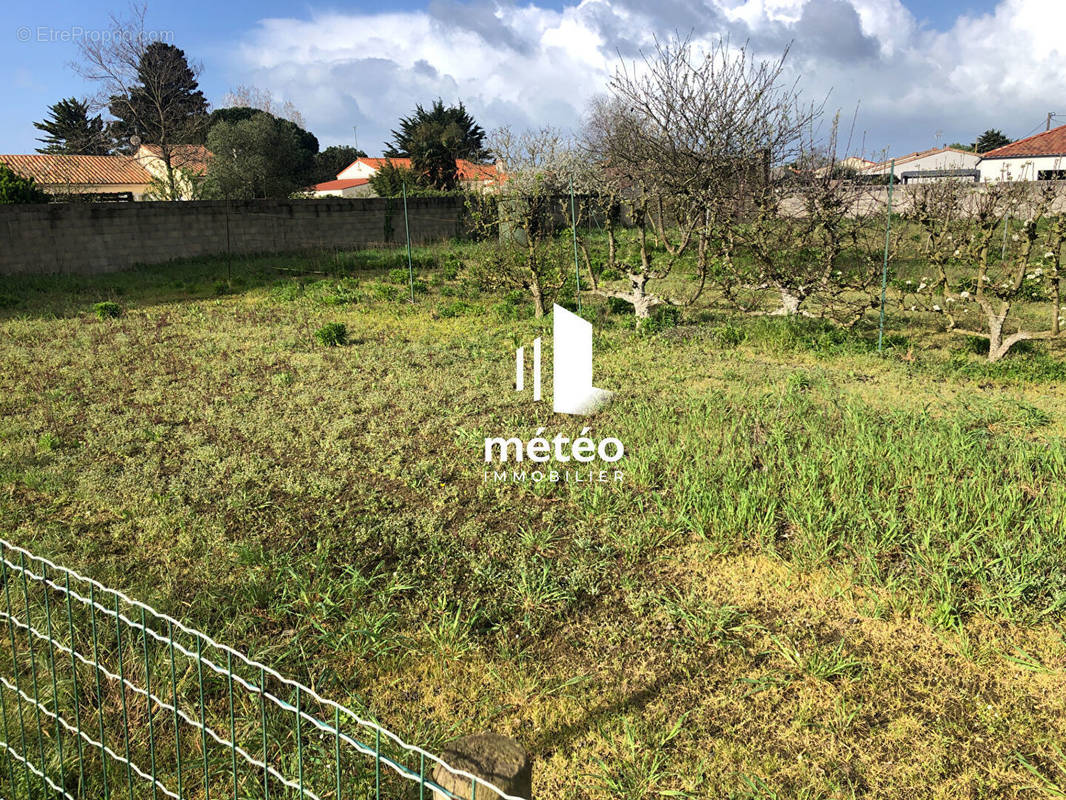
[
  {"x": 49, "y": 169},
  {"x": 932, "y": 151},
  {"x": 1048, "y": 143},
  {"x": 468, "y": 170},
  {"x": 186, "y": 157},
  {"x": 334, "y": 186}
]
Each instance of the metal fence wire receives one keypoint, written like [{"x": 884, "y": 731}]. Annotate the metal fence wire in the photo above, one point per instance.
[{"x": 102, "y": 696}]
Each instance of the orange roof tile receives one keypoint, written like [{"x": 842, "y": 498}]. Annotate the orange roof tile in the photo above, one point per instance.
[
  {"x": 468, "y": 170},
  {"x": 186, "y": 157},
  {"x": 342, "y": 184},
  {"x": 49, "y": 169},
  {"x": 1048, "y": 143}
]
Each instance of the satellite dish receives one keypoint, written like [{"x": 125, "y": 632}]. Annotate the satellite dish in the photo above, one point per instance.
[{"x": 135, "y": 140}]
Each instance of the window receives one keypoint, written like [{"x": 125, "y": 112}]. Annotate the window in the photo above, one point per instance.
[{"x": 1051, "y": 175}]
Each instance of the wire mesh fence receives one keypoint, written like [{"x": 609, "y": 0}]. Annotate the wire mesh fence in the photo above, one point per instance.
[{"x": 102, "y": 696}]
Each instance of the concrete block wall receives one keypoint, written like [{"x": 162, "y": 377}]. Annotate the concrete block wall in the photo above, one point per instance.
[{"x": 93, "y": 238}]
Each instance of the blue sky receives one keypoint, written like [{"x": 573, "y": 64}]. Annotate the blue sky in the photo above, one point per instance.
[{"x": 919, "y": 72}]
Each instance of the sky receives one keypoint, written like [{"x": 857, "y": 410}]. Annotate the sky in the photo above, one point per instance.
[{"x": 904, "y": 74}]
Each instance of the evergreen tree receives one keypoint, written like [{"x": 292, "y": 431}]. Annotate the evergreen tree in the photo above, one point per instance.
[
  {"x": 261, "y": 156},
  {"x": 165, "y": 106},
  {"x": 990, "y": 140},
  {"x": 71, "y": 131},
  {"x": 390, "y": 179},
  {"x": 452, "y": 124}
]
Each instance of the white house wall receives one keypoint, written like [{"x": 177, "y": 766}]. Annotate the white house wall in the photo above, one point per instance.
[
  {"x": 356, "y": 171},
  {"x": 1023, "y": 168}
]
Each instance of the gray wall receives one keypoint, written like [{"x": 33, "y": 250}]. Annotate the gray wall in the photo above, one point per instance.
[{"x": 90, "y": 238}]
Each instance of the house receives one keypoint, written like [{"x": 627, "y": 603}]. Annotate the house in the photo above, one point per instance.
[
  {"x": 135, "y": 177},
  {"x": 350, "y": 187},
  {"x": 87, "y": 177},
  {"x": 471, "y": 177},
  {"x": 933, "y": 164},
  {"x": 189, "y": 162},
  {"x": 1036, "y": 158}
]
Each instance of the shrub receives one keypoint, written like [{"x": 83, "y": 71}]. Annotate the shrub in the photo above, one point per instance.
[
  {"x": 727, "y": 335},
  {"x": 332, "y": 334},
  {"x": 450, "y": 269},
  {"x": 106, "y": 310},
  {"x": 662, "y": 317},
  {"x": 16, "y": 189},
  {"x": 398, "y": 276},
  {"x": 7, "y": 301},
  {"x": 286, "y": 291},
  {"x": 455, "y": 309},
  {"x": 385, "y": 291},
  {"x": 610, "y": 274},
  {"x": 221, "y": 287},
  {"x": 616, "y": 305}
]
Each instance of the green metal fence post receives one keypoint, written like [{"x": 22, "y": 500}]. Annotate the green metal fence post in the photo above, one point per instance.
[
  {"x": 15, "y": 665},
  {"x": 203, "y": 719},
  {"x": 232, "y": 727},
  {"x": 263, "y": 724},
  {"x": 337, "y": 748},
  {"x": 33, "y": 673},
  {"x": 377, "y": 764},
  {"x": 122, "y": 692},
  {"x": 52, "y": 669},
  {"x": 884, "y": 268},
  {"x": 299, "y": 742},
  {"x": 99, "y": 689},
  {"x": 573, "y": 228},
  {"x": 407, "y": 230},
  {"x": 174, "y": 690},
  {"x": 7, "y": 742},
  {"x": 74, "y": 674},
  {"x": 148, "y": 692}
]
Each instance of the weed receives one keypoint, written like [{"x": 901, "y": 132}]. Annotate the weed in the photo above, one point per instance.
[
  {"x": 332, "y": 334},
  {"x": 455, "y": 309},
  {"x": 107, "y": 310}
]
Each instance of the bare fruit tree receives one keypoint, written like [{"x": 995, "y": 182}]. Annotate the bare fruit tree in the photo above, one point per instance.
[
  {"x": 529, "y": 213},
  {"x": 983, "y": 272},
  {"x": 814, "y": 237},
  {"x": 684, "y": 142}
]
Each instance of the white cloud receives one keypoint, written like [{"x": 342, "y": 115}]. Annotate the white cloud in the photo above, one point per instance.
[{"x": 528, "y": 65}]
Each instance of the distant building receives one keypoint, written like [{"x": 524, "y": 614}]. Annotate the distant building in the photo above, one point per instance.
[
  {"x": 933, "y": 164},
  {"x": 110, "y": 177},
  {"x": 83, "y": 177},
  {"x": 352, "y": 187},
  {"x": 353, "y": 180},
  {"x": 1036, "y": 158}
]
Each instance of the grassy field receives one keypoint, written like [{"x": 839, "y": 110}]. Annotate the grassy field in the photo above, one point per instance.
[{"x": 827, "y": 573}]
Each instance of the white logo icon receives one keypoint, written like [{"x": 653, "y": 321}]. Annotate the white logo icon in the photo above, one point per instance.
[{"x": 573, "y": 392}]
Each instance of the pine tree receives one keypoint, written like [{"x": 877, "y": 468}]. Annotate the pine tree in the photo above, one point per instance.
[
  {"x": 71, "y": 131},
  {"x": 165, "y": 106},
  {"x": 990, "y": 140},
  {"x": 464, "y": 136}
]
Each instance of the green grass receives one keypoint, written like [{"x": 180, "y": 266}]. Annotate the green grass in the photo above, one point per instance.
[{"x": 804, "y": 587}]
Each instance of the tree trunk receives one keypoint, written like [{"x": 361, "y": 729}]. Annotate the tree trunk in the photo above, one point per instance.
[
  {"x": 998, "y": 345},
  {"x": 538, "y": 299},
  {"x": 790, "y": 303},
  {"x": 642, "y": 302}
]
